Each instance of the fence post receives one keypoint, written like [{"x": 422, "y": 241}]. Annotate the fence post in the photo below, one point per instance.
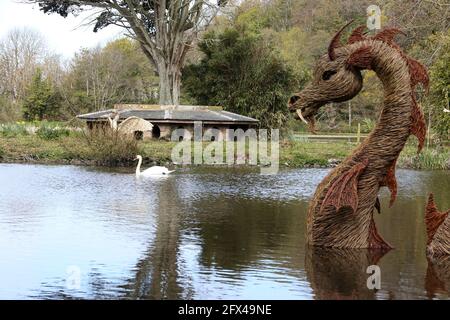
[
  {"x": 429, "y": 127},
  {"x": 358, "y": 134},
  {"x": 349, "y": 115}
]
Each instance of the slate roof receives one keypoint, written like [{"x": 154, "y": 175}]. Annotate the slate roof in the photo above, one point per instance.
[{"x": 172, "y": 115}]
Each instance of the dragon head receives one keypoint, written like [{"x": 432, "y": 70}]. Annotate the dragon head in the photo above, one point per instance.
[{"x": 335, "y": 79}]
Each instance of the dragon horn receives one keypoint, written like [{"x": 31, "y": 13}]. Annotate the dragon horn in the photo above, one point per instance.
[{"x": 335, "y": 42}]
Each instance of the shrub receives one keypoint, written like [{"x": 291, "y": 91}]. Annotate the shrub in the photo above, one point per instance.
[
  {"x": 108, "y": 147},
  {"x": 437, "y": 158},
  {"x": 431, "y": 159},
  {"x": 244, "y": 74}
]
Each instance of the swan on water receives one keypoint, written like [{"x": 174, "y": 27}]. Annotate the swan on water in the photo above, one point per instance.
[{"x": 152, "y": 171}]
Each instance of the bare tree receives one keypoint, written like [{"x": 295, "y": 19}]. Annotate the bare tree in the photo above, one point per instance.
[
  {"x": 97, "y": 78},
  {"x": 20, "y": 52},
  {"x": 165, "y": 29}
]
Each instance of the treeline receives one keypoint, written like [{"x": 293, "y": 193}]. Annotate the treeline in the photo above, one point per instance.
[
  {"x": 38, "y": 85},
  {"x": 239, "y": 56},
  {"x": 252, "y": 58}
]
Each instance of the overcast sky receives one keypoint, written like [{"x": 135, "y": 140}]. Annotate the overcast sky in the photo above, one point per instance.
[{"x": 64, "y": 36}]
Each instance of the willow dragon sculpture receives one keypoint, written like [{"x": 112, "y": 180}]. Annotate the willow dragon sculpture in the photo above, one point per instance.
[
  {"x": 438, "y": 230},
  {"x": 437, "y": 279},
  {"x": 341, "y": 211}
]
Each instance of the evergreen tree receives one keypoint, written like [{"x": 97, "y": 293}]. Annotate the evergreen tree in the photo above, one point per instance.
[
  {"x": 40, "y": 101},
  {"x": 243, "y": 74}
]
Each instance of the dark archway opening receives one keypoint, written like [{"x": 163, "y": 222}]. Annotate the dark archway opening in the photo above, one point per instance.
[{"x": 156, "y": 132}]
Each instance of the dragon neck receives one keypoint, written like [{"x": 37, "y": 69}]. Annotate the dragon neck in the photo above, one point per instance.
[{"x": 393, "y": 128}]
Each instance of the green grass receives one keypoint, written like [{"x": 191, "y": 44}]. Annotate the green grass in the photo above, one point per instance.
[
  {"x": 310, "y": 153},
  {"x": 13, "y": 130},
  {"x": 157, "y": 150},
  {"x": 78, "y": 148}
]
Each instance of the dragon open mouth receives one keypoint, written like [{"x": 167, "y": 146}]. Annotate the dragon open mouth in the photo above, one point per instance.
[
  {"x": 304, "y": 110},
  {"x": 306, "y": 115},
  {"x": 299, "y": 112}
]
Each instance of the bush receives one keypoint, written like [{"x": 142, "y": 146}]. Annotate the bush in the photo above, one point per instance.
[
  {"x": 244, "y": 74},
  {"x": 437, "y": 158},
  {"x": 49, "y": 133},
  {"x": 108, "y": 147},
  {"x": 431, "y": 159}
]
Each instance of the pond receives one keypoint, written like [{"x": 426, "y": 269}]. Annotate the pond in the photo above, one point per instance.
[{"x": 202, "y": 233}]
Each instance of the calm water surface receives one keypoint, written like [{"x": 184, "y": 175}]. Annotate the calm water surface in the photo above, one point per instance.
[{"x": 200, "y": 234}]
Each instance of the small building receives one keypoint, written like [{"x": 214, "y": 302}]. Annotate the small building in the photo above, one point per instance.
[{"x": 166, "y": 119}]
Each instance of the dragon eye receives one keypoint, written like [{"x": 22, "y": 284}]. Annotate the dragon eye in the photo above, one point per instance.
[
  {"x": 328, "y": 74},
  {"x": 293, "y": 99}
]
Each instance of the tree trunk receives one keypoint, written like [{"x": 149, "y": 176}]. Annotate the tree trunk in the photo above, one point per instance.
[
  {"x": 169, "y": 84},
  {"x": 165, "y": 30}
]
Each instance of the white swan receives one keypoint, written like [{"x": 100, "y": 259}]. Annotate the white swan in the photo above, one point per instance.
[{"x": 153, "y": 171}]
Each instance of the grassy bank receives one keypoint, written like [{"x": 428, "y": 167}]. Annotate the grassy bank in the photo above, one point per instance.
[{"x": 62, "y": 147}]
